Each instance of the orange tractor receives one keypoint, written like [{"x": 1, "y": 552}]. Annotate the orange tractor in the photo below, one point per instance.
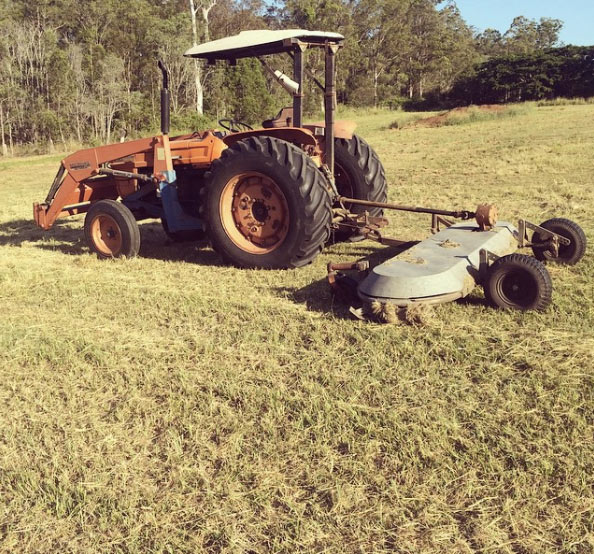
[
  {"x": 273, "y": 197},
  {"x": 264, "y": 197}
]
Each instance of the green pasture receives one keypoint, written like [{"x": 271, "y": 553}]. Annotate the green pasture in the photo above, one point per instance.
[{"x": 172, "y": 404}]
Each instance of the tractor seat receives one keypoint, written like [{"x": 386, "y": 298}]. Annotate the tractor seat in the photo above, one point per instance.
[{"x": 284, "y": 118}]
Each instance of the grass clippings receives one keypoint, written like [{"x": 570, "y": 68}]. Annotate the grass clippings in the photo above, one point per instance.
[{"x": 171, "y": 403}]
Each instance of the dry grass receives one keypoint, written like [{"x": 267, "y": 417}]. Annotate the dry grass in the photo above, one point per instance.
[
  {"x": 170, "y": 404},
  {"x": 459, "y": 116}
]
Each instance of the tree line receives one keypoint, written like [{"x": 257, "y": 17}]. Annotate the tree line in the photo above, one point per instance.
[
  {"x": 566, "y": 72},
  {"x": 85, "y": 71}
]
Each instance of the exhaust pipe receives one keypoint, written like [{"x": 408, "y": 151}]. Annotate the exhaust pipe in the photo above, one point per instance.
[
  {"x": 165, "y": 100},
  {"x": 283, "y": 80}
]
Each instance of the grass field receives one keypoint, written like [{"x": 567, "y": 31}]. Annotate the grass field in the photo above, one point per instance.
[{"x": 171, "y": 404}]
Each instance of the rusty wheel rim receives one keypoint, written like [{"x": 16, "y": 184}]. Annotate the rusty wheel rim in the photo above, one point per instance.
[
  {"x": 254, "y": 213},
  {"x": 106, "y": 235}
]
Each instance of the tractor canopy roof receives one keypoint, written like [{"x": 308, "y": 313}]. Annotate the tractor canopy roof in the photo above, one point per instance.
[{"x": 260, "y": 43}]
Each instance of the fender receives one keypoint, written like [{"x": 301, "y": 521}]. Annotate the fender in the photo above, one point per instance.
[
  {"x": 342, "y": 129},
  {"x": 296, "y": 135}
]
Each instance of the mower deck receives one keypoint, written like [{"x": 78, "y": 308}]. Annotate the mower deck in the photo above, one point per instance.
[{"x": 442, "y": 268}]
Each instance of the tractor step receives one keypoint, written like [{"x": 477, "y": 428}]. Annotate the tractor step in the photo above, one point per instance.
[{"x": 442, "y": 268}]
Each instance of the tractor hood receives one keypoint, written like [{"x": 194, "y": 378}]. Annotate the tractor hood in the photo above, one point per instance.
[{"x": 259, "y": 43}]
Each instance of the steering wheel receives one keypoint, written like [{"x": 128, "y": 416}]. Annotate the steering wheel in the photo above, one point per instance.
[{"x": 234, "y": 126}]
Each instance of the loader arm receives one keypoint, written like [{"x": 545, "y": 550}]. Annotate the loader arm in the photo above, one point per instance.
[
  {"x": 69, "y": 194},
  {"x": 78, "y": 182}
]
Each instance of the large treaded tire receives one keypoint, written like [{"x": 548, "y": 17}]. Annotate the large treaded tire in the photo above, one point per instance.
[
  {"x": 518, "y": 282},
  {"x": 359, "y": 174},
  {"x": 569, "y": 254},
  {"x": 111, "y": 230},
  {"x": 299, "y": 189}
]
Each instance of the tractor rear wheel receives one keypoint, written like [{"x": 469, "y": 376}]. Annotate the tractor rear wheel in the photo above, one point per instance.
[
  {"x": 267, "y": 205},
  {"x": 359, "y": 174},
  {"x": 111, "y": 230}
]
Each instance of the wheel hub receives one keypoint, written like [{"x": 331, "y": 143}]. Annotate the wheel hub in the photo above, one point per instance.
[
  {"x": 254, "y": 213},
  {"x": 260, "y": 211},
  {"x": 106, "y": 235},
  {"x": 517, "y": 288}
]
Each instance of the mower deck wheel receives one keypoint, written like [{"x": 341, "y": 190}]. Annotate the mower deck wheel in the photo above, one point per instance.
[
  {"x": 518, "y": 282},
  {"x": 569, "y": 254},
  {"x": 111, "y": 230}
]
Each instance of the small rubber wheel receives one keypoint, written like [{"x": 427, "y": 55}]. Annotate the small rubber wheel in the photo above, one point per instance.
[
  {"x": 569, "y": 254},
  {"x": 111, "y": 230},
  {"x": 189, "y": 235},
  {"x": 267, "y": 205},
  {"x": 359, "y": 174},
  {"x": 518, "y": 282}
]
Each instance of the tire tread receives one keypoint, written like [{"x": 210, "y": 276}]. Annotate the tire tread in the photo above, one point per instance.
[{"x": 310, "y": 183}]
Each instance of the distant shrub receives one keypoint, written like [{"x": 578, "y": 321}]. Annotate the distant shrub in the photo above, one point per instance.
[
  {"x": 190, "y": 121},
  {"x": 565, "y": 102},
  {"x": 396, "y": 102},
  {"x": 427, "y": 104},
  {"x": 476, "y": 114},
  {"x": 566, "y": 72}
]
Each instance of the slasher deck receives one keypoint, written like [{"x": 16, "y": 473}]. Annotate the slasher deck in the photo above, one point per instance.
[{"x": 442, "y": 268}]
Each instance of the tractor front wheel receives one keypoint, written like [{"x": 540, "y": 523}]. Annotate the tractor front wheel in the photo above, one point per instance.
[
  {"x": 111, "y": 230},
  {"x": 267, "y": 205}
]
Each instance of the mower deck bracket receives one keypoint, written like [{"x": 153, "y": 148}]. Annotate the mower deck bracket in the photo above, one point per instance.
[
  {"x": 554, "y": 238},
  {"x": 437, "y": 221},
  {"x": 486, "y": 259}
]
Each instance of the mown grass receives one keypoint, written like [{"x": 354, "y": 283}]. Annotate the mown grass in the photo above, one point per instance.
[{"x": 172, "y": 404}]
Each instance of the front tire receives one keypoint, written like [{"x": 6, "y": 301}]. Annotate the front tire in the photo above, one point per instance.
[
  {"x": 111, "y": 230},
  {"x": 267, "y": 205}
]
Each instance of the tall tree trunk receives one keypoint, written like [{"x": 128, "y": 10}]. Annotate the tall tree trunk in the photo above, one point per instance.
[
  {"x": 197, "y": 68},
  {"x": 205, "y": 6},
  {"x": 4, "y": 147},
  {"x": 199, "y": 87}
]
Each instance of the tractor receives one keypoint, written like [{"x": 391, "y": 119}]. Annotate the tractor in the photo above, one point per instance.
[
  {"x": 264, "y": 198},
  {"x": 273, "y": 197}
]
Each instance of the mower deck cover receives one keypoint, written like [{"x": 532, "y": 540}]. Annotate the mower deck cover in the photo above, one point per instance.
[
  {"x": 442, "y": 268},
  {"x": 259, "y": 43}
]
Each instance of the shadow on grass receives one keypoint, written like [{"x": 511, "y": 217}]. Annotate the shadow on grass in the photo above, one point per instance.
[
  {"x": 319, "y": 297},
  {"x": 63, "y": 237}
]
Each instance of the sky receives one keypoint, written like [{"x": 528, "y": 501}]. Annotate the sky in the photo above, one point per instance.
[{"x": 577, "y": 15}]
